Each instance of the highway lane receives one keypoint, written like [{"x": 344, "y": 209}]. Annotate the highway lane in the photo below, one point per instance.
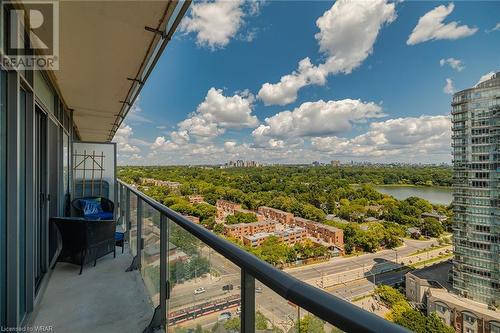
[{"x": 344, "y": 264}]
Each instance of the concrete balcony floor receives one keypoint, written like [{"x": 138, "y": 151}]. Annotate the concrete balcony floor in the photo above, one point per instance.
[{"x": 104, "y": 298}]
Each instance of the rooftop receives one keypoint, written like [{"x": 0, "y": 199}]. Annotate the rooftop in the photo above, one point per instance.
[
  {"x": 275, "y": 210},
  {"x": 239, "y": 225},
  {"x": 317, "y": 224},
  {"x": 435, "y": 273},
  {"x": 289, "y": 231},
  {"x": 257, "y": 236}
]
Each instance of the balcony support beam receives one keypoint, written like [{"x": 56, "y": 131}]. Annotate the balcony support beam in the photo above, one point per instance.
[{"x": 247, "y": 302}]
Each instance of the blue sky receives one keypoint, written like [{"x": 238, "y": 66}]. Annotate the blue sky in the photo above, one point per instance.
[{"x": 374, "y": 86}]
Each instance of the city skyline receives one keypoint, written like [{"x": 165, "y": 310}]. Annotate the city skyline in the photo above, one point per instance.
[{"x": 312, "y": 94}]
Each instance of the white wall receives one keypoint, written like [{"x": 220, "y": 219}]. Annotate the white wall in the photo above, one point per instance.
[{"x": 108, "y": 165}]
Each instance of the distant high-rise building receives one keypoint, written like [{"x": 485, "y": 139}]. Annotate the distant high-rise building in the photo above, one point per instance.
[
  {"x": 335, "y": 163},
  {"x": 476, "y": 191},
  {"x": 241, "y": 164}
]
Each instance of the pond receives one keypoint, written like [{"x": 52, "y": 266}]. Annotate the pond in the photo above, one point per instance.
[{"x": 435, "y": 195}]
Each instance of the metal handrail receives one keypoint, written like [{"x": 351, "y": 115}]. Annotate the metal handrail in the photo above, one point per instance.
[{"x": 336, "y": 311}]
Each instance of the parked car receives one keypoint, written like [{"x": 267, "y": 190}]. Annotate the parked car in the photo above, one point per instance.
[
  {"x": 258, "y": 290},
  {"x": 224, "y": 316},
  {"x": 238, "y": 310},
  {"x": 200, "y": 290}
]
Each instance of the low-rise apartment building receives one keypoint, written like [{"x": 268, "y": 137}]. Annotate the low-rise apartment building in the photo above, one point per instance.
[
  {"x": 276, "y": 215},
  {"x": 464, "y": 315},
  {"x": 241, "y": 230},
  {"x": 323, "y": 232},
  {"x": 225, "y": 208},
  {"x": 289, "y": 236},
  {"x": 157, "y": 182},
  {"x": 430, "y": 288},
  {"x": 256, "y": 239}
]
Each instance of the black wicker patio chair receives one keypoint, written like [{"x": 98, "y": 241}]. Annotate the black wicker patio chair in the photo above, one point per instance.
[
  {"x": 97, "y": 208},
  {"x": 85, "y": 240}
]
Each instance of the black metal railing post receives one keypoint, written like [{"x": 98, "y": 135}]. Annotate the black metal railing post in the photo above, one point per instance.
[
  {"x": 136, "y": 260},
  {"x": 139, "y": 232},
  {"x": 127, "y": 211},
  {"x": 122, "y": 205},
  {"x": 163, "y": 269},
  {"x": 247, "y": 302}
]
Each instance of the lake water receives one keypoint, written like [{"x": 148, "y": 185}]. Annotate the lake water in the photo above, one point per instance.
[{"x": 435, "y": 195}]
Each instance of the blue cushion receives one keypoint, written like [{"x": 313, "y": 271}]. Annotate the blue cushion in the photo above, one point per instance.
[
  {"x": 119, "y": 236},
  {"x": 91, "y": 206},
  {"x": 100, "y": 216},
  {"x": 105, "y": 215}
]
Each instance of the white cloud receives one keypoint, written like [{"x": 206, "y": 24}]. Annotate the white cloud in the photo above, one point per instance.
[
  {"x": 456, "y": 64},
  {"x": 285, "y": 91},
  {"x": 215, "y": 23},
  {"x": 412, "y": 139},
  {"x": 405, "y": 139},
  {"x": 314, "y": 119},
  {"x": 431, "y": 27},
  {"x": 495, "y": 28},
  {"x": 199, "y": 127},
  {"x": 485, "y": 77},
  {"x": 348, "y": 31},
  {"x": 448, "y": 87},
  {"x": 123, "y": 138},
  {"x": 228, "y": 112},
  {"x": 211, "y": 119}
]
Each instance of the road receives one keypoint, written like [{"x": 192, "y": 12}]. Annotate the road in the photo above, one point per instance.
[
  {"x": 345, "y": 264},
  {"x": 277, "y": 309}
]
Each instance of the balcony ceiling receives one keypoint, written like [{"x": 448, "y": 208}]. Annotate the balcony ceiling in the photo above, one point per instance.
[{"x": 102, "y": 43}]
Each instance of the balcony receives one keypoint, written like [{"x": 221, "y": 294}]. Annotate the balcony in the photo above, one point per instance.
[
  {"x": 103, "y": 299},
  {"x": 182, "y": 276}
]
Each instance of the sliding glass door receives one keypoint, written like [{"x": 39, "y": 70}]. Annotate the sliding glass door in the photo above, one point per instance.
[
  {"x": 54, "y": 176},
  {"x": 40, "y": 230},
  {"x": 3, "y": 181},
  {"x": 22, "y": 203}
]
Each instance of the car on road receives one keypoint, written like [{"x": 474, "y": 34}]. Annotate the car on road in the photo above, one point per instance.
[
  {"x": 224, "y": 316},
  {"x": 238, "y": 310},
  {"x": 200, "y": 290}
]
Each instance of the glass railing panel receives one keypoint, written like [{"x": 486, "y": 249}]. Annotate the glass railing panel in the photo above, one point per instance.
[
  {"x": 133, "y": 223},
  {"x": 121, "y": 224},
  {"x": 205, "y": 286},
  {"x": 273, "y": 313},
  {"x": 150, "y": 254},
  {"x": 309, "y": 323}
]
